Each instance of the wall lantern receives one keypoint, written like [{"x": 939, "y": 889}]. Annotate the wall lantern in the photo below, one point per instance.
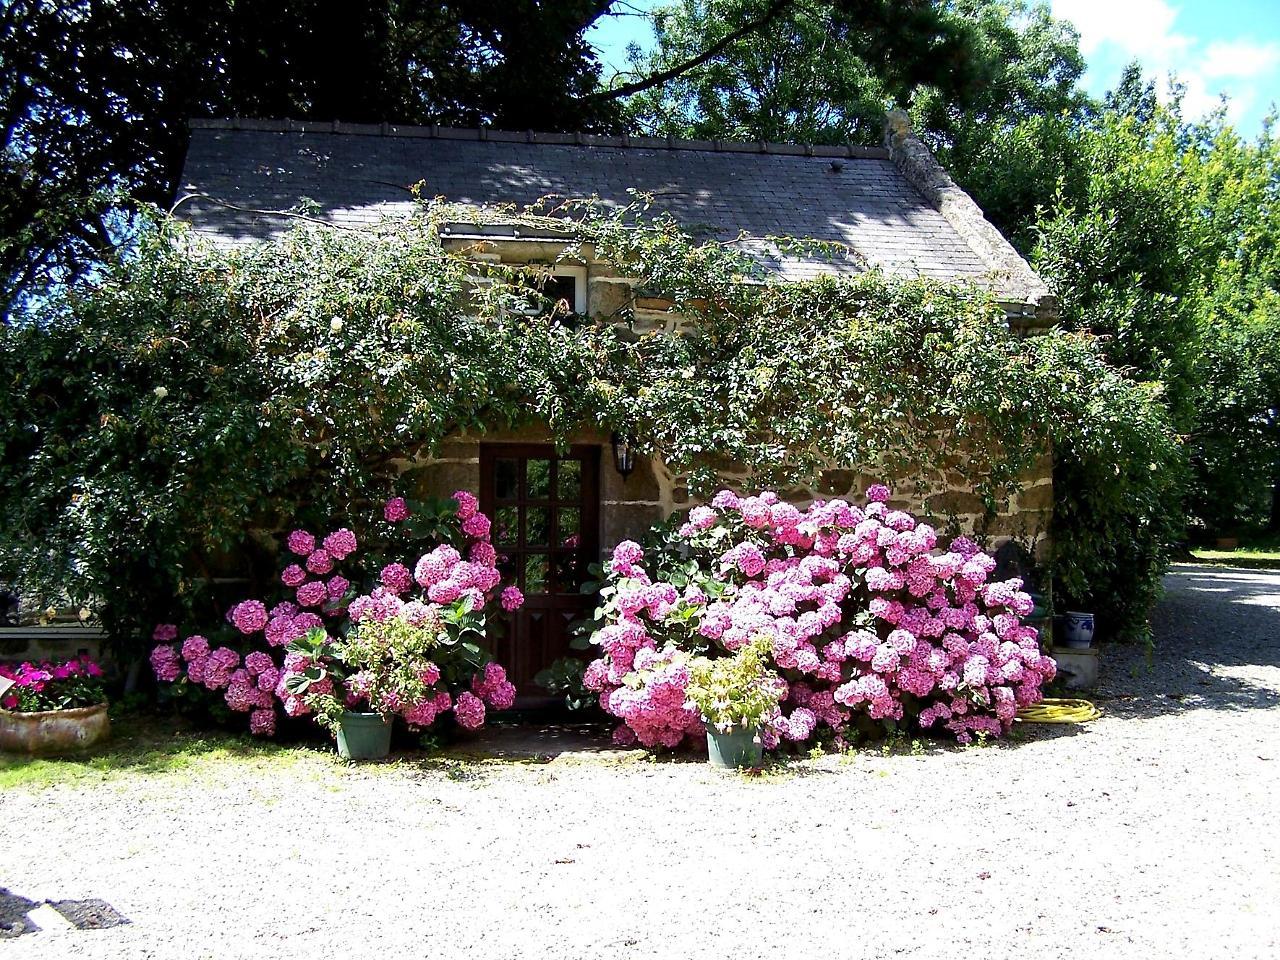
[{"x": 624, "y": 456}]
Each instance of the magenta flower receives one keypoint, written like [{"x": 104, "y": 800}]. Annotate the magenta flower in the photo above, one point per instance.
[
  {"x": 312, "y": 594},
  {"x": 195, "y": 647},
  {"x": 396, "y": 578},
  {"x": 293, "y": 575},
  {"x": 257, "y": 661},
  {"x": 468, "y": 505},
  {"x": 320, "y": 561},
  {"x": 262, "y": 722},
  {"x": 164, "y": 633},
  {"x": 249, "y": 616},
  {"x": 340, "y": 544},
  {"x": 512, "y": 598},
  {"x": 469, "y": 711},
  {"x": 301, "y": 542},
  {"x": 166, "y": 663},
  {"x": 395, "y": 510},
  {"x": 476, "y": 526}
]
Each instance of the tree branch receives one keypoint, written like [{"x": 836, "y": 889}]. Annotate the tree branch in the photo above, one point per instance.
[{"x": 657, "y": 79}]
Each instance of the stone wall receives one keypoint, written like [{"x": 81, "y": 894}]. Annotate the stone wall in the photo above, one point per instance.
[
  {"x": 60, "y": 640},
  {"x": 652, "y": 492}
]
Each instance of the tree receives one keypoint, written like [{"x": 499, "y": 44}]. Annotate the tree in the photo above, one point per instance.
[
  {"x": 824, "y": 70},
  {"x": 1235, "y": 445},
  {"x": 95, "y": 94}
]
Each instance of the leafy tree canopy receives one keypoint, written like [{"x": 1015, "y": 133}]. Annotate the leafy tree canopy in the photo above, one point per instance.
[{"x": 95, "y": 94}]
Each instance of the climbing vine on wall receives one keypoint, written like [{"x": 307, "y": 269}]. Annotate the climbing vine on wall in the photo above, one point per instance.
[{"x": 190, "y": 394}]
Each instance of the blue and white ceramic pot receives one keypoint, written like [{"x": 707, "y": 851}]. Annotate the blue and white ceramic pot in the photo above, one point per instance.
[{"x": 1077, "y": 630}]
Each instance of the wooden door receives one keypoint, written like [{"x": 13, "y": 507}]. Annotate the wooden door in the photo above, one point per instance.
[{"x": 545, "y": 509}]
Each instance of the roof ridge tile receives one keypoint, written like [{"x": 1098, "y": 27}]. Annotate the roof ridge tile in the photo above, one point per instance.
[{"x": 496, "y": 135}]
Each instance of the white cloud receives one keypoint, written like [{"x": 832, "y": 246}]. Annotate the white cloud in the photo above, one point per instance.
[
  {"x": 1139, "y": 28},
  {"x": 1146, "y": 31},
  {"x": 1239, "y": 58}
]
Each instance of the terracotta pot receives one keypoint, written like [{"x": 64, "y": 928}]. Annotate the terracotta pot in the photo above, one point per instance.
[{"x": 53, "y": 731}]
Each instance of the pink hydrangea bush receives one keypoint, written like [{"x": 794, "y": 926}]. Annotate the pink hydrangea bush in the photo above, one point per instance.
[
  {"x": 870, "y": 619},
  {"x": 413, "y": 632}
]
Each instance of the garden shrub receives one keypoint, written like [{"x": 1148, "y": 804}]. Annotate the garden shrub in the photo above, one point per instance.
[
  {"x": 868, "y": 624},
  {"x": 352, "y": 632}
]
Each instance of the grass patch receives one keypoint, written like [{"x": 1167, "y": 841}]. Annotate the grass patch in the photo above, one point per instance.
[
  {"x": 150, "y": 747},
  {"x": 1259, "y": 556}
]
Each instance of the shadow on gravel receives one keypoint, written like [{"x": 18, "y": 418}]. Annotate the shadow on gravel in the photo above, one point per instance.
[
  {"x": 92, "y": 914},
  {"x": 1217, "y": 637},
  {"x": 14, "y": 921}
]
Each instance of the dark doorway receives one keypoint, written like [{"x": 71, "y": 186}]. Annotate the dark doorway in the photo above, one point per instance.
[{"x": 545, "y": 508}]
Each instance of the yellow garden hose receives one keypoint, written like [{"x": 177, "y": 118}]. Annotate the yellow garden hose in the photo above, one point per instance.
[{"x": 1060, "y": 711}]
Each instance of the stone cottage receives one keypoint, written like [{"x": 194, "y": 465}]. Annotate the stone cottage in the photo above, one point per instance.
[{"x": 554, "y": 512}]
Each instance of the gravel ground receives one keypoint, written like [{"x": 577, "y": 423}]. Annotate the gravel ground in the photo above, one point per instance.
[{"x": 1149, "y": 833}]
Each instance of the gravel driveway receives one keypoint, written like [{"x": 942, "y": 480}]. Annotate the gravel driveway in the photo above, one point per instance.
[{"x": 1151, "y": 833}]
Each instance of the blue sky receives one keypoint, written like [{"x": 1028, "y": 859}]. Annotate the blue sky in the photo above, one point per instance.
[{"x": 1214, "y": 46}]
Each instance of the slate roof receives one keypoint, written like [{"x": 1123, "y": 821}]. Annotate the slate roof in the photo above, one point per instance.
[{"x": 359, "y": 174}]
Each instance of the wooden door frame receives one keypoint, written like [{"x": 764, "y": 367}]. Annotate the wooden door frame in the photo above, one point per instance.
[
  {"x": 530, "y": 648},
  {"x": 591, "y": 500}
]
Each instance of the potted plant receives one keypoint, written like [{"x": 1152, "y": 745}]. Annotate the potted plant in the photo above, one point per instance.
[
  {"x": 400, "y": 663},
  {"x": 736, "y": 695},
  {"x": 52, "y": 707}
]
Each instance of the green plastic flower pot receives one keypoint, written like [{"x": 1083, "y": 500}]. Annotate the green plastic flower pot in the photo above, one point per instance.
[
  {"x": 364, "y": 736},
  {"x": 738, "y": 748}
]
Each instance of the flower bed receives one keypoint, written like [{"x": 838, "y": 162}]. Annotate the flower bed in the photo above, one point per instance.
[
  {"x": 356, "y": 633},
  {"x": 39, "y": 687},
  {"x": 868, "y": 621},
  {"x": 52, "y": 707}
]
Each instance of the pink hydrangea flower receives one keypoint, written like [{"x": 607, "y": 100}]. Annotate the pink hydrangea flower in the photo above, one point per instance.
[
  {"x": 476, "y": 527},
  {"x": 468, "y": 505},
  {"x": 165, "y": 663},
  {"x": 340, "y": 544},
  {"x": 249, "y": 616},
  {"x": 726, "y": 500},
  {"x": 469, "y": 711},
  {"x": 257, "y": 661},
  {"x": 396, "y": 578},
  {"x": 320, "y": 561},
  {"x": 293, "y": 575},
  {"x": 312, "y": 594},
  {"x": 512, "y": 598},
  {"x": 262, "y": 722},
  {"x": 628, "y": 551},
  {"x": 194, "y": 647},
  {"x": 483, "y": 553},
  {"x": 268, "y": 679},
  {"x": 395, "y": 510},
  {"x": 337, "y": 587},
  {"x": 164, "y": 633},
  {"x": 301, "y": 542},
  {"x": 702, "y": 518}
]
